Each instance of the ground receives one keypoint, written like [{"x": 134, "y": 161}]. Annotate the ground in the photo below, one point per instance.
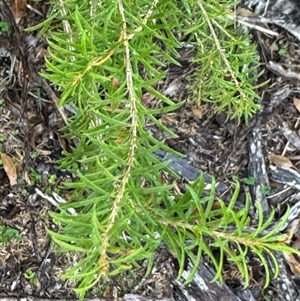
[{"x": 31, "y": 142}]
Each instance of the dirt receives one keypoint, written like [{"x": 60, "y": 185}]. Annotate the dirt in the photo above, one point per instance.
[{"x": 30, "y": 134}]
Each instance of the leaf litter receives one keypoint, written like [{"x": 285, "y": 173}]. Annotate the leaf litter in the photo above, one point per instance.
[
  {"x": 10, "y": 168},
  {"x": 18, "y": 8}
]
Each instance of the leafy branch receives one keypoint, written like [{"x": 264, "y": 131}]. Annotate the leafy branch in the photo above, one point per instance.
[
  {"x": 132, "y": 97},
  {"x": 221, "y": 52},
  {"x": 227, "y": 76}
]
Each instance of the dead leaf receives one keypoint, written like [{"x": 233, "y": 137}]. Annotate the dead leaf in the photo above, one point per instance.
[
  {"x": 10, "y": 169},
  {"x": 297, "y": 103},
  {"x": 173, "y": 88},
  {"x": 281, "y": 161},
  {"x": 43, "y": 152},
  {"x": 293, "y": 227},
  {"x": 119, "y": 140},
  {"x": 149, "y": 99},
  {"x": 197, "y": 111},
  {"x": 19, "y": 167},
  {"x": 18, "y": 8},
  {"x": 26, "y": 177},
  {"x": 13, "y": 213},
  {"x": 296, "y": 244},
  {"x": 37, "y": 131},
  {"x": 115, "y": 82},
  {"x": 292, "y": 137},
  {"x": 244, "y": 12},
  {"x": 274, "y": 47},
  {"x": 293, "y": 263}
]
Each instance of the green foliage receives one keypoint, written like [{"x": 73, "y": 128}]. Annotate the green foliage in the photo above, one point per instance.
[
  {"x": 3, "y": 27},
  {"x": 103, "y": 60},
  {"x": 191, "y": 225},
  {"x": 228, "y": 61},
  {"x": 6, "y": 234},
  {"x": 249, "y": 180},
  {"x": 32, "y": 277}
]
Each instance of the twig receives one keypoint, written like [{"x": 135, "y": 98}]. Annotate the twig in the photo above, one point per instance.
[{"x": 55, "y": 202}]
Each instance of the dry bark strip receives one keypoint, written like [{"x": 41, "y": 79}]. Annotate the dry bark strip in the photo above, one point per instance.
[
  {"x": 285, "y": 284},
  {"x": 257, "y": 169},
  {"x": 202, "y": 288},
  {"x": 185, "y": 170},
  {"x": 283, "y": 13}
]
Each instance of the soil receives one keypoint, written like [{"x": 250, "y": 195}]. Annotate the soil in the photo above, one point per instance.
[{"x": 30, "y": 138}]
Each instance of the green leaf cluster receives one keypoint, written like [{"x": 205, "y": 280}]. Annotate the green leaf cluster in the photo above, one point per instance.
[
  {"x": 227, "y": 74},
  {"x": 6, "y": 234},
  {"x": 103, "y": 58}
]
